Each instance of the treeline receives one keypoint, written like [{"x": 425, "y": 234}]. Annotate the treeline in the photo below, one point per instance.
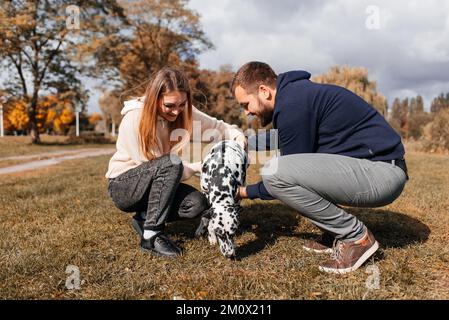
[
  {"x": 429, "y": 129},
  {"x": 426, "y": 130}
]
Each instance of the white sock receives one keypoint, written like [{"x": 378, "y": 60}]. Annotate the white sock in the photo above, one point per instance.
[{"x": 147, "y": 234}]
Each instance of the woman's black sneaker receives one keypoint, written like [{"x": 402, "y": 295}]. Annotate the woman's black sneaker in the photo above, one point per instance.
[{"x": 160, "y": 245}]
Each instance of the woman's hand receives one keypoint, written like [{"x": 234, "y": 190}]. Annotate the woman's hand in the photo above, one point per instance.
[{"x": 190, "y": 169}]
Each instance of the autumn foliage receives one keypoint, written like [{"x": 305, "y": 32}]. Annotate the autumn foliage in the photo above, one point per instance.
[
  {"x": 54, "y": 115},
  {"x": 436, "y": 133},
  {"x": 94, "y": 118},
  {"x": 16, "y": 116}
]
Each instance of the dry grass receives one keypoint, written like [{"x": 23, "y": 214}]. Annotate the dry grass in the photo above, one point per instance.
[
  {"x": 419, "y": 146},
  {"x": 62, "y": 216}
]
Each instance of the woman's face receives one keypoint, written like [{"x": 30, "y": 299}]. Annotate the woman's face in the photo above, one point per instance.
[{"x": 171, "y": 104}]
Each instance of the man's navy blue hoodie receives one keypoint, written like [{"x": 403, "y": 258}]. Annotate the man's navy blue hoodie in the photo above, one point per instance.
[{"x": 323, "y": 118}]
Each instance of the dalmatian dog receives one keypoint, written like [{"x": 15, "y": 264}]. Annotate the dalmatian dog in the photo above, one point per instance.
[{"x": 223, "y": 171}]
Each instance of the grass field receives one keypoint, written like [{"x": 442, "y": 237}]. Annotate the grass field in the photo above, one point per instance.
[
  {"x": 61, "y": 216},
  {"x": 21, "y": 145}
]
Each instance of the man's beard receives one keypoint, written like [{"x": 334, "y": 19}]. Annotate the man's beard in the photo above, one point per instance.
[{"x": 266, "y": 115}]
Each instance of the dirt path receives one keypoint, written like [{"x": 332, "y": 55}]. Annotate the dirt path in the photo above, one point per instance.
[
  {"x": 54, "y": 158},
  {"x": 49, "y": 154}
]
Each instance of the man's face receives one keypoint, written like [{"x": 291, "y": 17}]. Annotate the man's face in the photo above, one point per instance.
[{"x": 260, "y": 104}]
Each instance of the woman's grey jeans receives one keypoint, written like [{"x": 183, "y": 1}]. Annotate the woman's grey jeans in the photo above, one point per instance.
[{"x": 154, "y": 189}]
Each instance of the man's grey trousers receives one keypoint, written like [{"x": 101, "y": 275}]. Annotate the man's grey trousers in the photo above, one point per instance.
[{"x": 315, "y": 184}]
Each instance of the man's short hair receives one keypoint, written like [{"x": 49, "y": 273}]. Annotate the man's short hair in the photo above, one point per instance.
[{"x": 253, "y": 74}]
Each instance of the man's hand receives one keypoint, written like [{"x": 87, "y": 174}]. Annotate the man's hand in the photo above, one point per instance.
[{"x": 241, "y": 194}]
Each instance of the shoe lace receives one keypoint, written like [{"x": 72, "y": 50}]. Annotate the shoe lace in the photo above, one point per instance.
[
  {"x": 337, "y": 250},
  {"x": 162, "y": 237}
]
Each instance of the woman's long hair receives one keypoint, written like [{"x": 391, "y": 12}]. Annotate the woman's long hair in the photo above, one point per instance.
[{"x": 165, "y": 80}]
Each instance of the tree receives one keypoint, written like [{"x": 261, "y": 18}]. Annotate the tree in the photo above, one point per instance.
[
  {"x": 395, "y": 115},
  {"x": 399, "y": 117},
  {"x": 110, "y": 105},
  {"x": 40, "y": 49},
  {"x": 416, "y": 105},
  {"x": 439, "y": 103},
  {"x": 355, "y": 79},
  {"x": 417, "y": 118},
  {"x": 94, "y": 119},
  {"x": 62, "y": 123},
  {"x": 408, "y": 117},
  {"x": 436, "y": 133},
  {"x": 158, "y": 33},
  {"x": 404, "y": 118},
  {"x": 212, "y": 94},
  {"x": 55, "y": 114},
  {"x": 17, "y": 116}
]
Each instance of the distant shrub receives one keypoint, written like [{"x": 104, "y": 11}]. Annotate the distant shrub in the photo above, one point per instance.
[
  {"x": 90, "y": 138},
  {"x": 436, "y": 133}
]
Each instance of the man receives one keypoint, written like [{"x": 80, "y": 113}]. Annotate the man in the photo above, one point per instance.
[{"x": 335, "y": 150}]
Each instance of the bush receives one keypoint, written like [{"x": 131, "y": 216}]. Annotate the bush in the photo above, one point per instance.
[
  {"x": 436, "y": 133},
  {"x": 90, "y": 137}
]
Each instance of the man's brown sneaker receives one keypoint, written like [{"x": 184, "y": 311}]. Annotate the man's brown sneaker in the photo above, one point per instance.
[
  {"x": 348, "y": 256},
  {"x": 321, "y": 245}
]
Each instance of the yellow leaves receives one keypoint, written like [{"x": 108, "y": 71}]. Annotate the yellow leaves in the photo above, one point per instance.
[
  {"x": 63, "y": 121},
  {"x": 95, "y": 118},
  {"x": 18, "y": 116},
  {"x": 67, "y": 116},
  {"x": 52, "y": 113},
  {"x": 58, "y": 113},
  {"x": 24, "y": 21}
]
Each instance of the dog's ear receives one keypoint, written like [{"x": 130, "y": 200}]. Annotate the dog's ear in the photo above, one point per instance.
[
  {"x": 207, "y": 213},
  {"x": 204, "y": 223}
]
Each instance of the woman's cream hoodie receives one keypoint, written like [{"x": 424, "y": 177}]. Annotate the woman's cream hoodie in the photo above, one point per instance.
[{"x": 129, "y": 154}]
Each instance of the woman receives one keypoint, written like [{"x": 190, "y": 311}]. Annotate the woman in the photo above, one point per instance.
[{"x": 145, "y": 172}]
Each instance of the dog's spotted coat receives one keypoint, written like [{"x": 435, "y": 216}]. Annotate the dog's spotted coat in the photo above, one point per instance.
[{"x": 223, "y": 171}]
